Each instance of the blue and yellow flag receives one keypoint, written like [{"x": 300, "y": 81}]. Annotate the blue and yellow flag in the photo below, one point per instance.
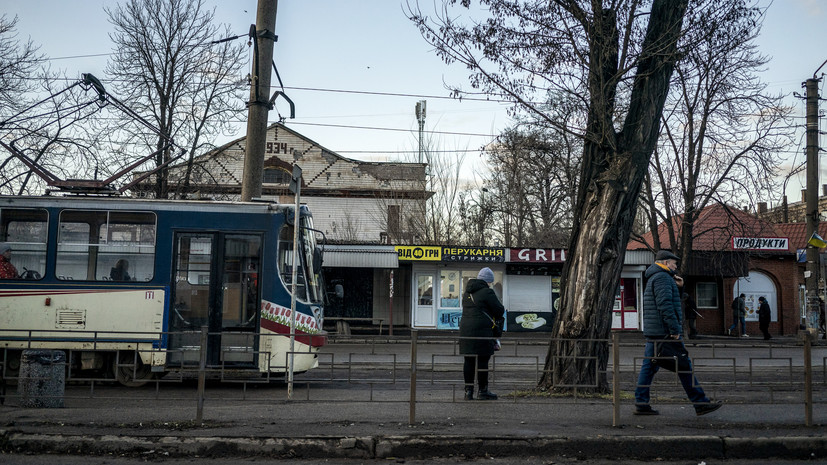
[{"x": 817, "y": 241}]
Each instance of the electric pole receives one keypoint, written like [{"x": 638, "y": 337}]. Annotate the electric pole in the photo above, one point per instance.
[
  {"x": 812, "y": 267},
  {"x": 258, "y": 106},
  {"x": 420, "y": 117}
]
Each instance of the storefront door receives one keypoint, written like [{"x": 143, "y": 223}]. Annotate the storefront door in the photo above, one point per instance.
[{"x": 425, "y": 308}]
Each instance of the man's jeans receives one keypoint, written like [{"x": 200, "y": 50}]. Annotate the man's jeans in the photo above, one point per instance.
[
  {"x": 735, "y": 321},
  {"x": 647, "y": 374}
]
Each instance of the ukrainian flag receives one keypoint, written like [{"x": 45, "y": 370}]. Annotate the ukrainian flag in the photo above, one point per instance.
[{"x": 817, "y": 241}]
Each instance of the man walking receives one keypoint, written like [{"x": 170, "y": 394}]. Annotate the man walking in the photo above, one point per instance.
[{"x": 663, "y": 321}]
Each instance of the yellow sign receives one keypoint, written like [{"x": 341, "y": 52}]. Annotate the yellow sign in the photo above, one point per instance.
[{"x": 415, "y": 252}]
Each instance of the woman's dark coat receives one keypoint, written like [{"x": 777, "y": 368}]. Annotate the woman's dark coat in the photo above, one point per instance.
[
  {"x": 478, "y": 298},
  {"x": 764, "y": 314}
]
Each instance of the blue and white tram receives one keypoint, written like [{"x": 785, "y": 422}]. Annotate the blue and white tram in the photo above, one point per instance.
[{"x": 108, "y": 278}]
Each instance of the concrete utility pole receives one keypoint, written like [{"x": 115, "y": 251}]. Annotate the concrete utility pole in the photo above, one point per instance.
[
  {"x": 812, "y": 268},
  {"x": 258, "y": 108},
  {"x": 420, "y": 117}
]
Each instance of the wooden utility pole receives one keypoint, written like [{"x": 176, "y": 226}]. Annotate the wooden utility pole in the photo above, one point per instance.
[{"x": 258, "y": 107}]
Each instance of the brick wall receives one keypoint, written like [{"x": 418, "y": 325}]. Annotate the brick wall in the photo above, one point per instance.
[{"x": 786, "y": 274}]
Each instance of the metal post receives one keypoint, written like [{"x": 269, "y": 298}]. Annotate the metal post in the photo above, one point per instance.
[
  {"x": 412, "y": 411},
  {"x": 390, "y": 307},
  {"x": 296, "y": 224},
  {"x": 615, "y": 378},
  {"x": 259, "y": 95},
  {"x": 202, "y": 374},
  {"x": 808, "y": 379}
]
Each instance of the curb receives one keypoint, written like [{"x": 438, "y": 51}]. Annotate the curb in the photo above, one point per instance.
[{"x": 421, "y": 447}]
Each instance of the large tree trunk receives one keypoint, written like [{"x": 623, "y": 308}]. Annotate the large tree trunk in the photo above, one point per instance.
[{"x": 614, "y": 166}]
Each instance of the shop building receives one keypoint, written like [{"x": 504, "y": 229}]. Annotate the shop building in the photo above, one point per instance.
[
  {"x": 527, "y": 280},
  {"x": 735, "y": 252}
]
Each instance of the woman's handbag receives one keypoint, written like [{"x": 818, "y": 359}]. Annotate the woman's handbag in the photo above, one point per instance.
[
  {"x": 672, "y": 356},
  {"x": 496, "y": 325}
]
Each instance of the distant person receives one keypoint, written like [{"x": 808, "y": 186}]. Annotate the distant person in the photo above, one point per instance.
[
  {"x": 739, "y": 313},
  {"x": 480, "y": 308},
  {"x": 7, "y": 270},
  {"x": 822, "y": 321},
  {"x": 120, "y": 272},
  {"x": 662, "y": 322},
  {"x": 764, "y": 315},
  {"x": 690, "y": 312}
]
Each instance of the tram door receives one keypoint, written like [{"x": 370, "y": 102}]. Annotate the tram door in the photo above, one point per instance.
[{"x": 215, "y": 284}]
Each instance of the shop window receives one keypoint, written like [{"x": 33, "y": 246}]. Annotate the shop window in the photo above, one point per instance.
[
  {"x": 449, "y": 289},
  {"x": 497, "y": 285},
  {"x": 706, "y": 295}
]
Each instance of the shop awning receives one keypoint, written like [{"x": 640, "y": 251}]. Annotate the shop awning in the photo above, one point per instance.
[{"x": 360, "y": 256}]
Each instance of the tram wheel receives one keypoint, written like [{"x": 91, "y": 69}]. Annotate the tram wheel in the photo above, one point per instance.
[{"x": 130, "y": 370}]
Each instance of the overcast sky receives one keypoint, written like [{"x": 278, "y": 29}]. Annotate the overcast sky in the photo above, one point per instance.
[{"x": 356, "y": 68}]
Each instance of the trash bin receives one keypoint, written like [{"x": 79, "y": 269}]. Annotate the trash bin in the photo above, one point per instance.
[{"x": 42, "y": 380}]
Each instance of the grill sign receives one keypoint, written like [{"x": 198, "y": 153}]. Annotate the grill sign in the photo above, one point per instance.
[{"x": 760, "y": 243}]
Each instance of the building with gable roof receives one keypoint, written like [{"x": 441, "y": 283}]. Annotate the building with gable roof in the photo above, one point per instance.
[
  {"x": 359, "y": 206},
  {"x": 353, "y": 201},
  {"x": 737, "y": 252}
]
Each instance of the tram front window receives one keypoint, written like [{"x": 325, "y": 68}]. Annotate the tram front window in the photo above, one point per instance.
[{"x": 307, "y": 279}]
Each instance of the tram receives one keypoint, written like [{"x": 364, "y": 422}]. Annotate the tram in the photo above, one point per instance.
[{"x": 129, "y": 286}]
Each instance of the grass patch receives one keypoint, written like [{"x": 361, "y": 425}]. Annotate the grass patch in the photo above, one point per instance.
[{"x": 546, "y": 394}]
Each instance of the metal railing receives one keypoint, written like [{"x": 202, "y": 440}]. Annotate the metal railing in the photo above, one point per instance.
[{"x": 422, "y": 369}]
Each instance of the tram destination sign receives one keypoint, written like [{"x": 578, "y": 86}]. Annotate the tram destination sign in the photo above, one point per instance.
[{"x": 761, "y": 243}]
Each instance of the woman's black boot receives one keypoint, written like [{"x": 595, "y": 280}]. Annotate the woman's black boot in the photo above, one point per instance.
[{"x": 469, "y": 393}]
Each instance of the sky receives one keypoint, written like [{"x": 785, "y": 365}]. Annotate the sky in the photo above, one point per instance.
[{"x": 356, "y": 68}]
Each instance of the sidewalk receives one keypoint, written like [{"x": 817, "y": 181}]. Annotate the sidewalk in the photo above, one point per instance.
[
  {"x": 345, "y": 429},
  {"x": 371, "y": 421}
]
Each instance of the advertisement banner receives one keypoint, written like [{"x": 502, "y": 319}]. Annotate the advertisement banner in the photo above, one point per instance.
[
  {"x": 537, "y": 255},
  {"x": 538, "y": 322},
  {"x": 448, "y": 318},
  {"x": 418, "y": 253},
  {"x": 473, "y": 254}
]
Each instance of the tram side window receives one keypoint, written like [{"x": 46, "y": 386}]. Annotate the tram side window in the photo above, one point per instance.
[
  {"x": 25, "y": 230},
  {"x": 106, "y": 246}
]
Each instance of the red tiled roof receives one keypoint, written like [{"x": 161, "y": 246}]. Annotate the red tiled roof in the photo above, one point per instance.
[
  {"x": 797, "y": 232},
  {"x": 718, "y": 224}
]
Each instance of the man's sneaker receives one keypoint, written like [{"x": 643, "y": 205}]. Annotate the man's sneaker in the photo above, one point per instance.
[
  {"x": 646, "y": 410},
  {"x": 703, "y": 409},
  {"x": 729, "y": 332},
  {"x": 485, "y": 394},
  {"x": 745, "y": 335}
]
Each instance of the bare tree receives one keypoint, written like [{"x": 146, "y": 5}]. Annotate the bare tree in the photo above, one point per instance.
[
  {"x": 531, "y": 185},
  {"x": 722, "y": 133},
  {"x": 617, "y": 57},
  {"x": 166, "y": 67},
  {"x": 435, "y": 220},
  {"x": 52, "y": 134},
  {"x": 18, "y": 63}
]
